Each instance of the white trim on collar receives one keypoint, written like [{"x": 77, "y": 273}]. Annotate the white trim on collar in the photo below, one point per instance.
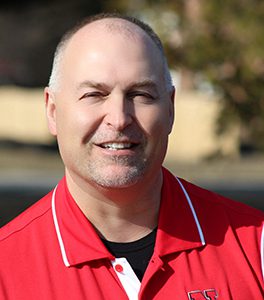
[
  {"x": 193, "y": 211},
  {"x": 54, "y": 215}
]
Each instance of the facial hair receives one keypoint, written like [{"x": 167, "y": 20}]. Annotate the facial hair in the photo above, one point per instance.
[{"x": 116, "y": 171}]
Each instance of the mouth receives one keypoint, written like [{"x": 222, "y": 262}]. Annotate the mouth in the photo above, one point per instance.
[{"x": 115, "y": 146}]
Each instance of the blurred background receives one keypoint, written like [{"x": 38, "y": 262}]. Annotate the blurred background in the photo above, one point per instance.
[{"x": 215, "y": 51}]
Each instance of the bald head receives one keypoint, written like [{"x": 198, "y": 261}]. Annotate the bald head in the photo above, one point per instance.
[{"x": 130, "y": 28}]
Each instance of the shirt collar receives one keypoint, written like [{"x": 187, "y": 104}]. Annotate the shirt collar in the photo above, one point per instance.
[
  {"x": 77, "y": 237},
  {"x": 178, "y": 225}
]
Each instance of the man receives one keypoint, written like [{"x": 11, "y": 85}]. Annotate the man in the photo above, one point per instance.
[{"x": 118, "y": 225}]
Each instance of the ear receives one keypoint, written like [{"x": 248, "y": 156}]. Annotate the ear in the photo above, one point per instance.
[
  {"x": 171, "y": 109},
  {"x": 50, "y": 110}
]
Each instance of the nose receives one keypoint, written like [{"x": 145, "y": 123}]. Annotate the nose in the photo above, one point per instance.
[{"x": 118, "y": 112}]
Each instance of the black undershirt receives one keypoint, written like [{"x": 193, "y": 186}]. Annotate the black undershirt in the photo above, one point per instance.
[{"x": 137, "y": 253}]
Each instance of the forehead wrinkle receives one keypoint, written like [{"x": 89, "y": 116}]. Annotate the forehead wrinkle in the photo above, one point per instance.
[
  {"x": 146, "y": 83},
  {"x": 92, "y": 84}
]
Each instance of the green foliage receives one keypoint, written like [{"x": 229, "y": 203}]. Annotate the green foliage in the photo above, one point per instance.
[
  {"x": 222, "y": 42},
  {"x": 227, "y": 46}
]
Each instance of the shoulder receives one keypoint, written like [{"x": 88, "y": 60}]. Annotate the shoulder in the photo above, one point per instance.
[
  {"x": 31, "y": 217},
  {"x": 214, "y": 209},
  {"x": 204, "y": 198},
  {"x": 225, "y": 221}
]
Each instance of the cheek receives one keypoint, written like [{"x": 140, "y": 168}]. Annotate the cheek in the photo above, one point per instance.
[
  {"x": 155, "y": 123},
  {"x": 75, "y": 123},
  {"x": 66, "y": 123}
]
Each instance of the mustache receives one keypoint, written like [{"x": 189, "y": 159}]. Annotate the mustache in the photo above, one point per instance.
[{"x": 135, "y": 136}]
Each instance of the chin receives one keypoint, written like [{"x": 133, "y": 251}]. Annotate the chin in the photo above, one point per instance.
[{"x": 117, "y": 177}]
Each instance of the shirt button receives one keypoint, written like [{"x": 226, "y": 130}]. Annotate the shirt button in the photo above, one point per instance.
[{"x": 119, "y": 268}]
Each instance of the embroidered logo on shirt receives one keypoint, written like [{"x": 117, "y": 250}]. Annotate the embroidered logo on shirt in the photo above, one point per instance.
[{"x": 210, "y": 294}]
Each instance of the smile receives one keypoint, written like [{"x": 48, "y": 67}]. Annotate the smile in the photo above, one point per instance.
[{"x": 117, "y": 146}]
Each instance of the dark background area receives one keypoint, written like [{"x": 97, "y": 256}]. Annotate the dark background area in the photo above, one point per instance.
[
  {"x": 18, "y": 197},
  {"x": 29, "y": 33}
]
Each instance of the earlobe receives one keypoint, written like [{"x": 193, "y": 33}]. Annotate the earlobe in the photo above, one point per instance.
[{"x": 50, "y": 111}]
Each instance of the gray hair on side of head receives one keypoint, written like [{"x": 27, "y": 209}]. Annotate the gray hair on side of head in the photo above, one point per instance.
[{"x": 54, "y": 80}]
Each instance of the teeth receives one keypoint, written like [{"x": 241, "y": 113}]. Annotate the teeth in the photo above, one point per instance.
[{"x": 117, "y": 146}]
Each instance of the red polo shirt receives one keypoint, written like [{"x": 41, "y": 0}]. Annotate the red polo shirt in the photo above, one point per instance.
[{"x": 207, "y": 247}]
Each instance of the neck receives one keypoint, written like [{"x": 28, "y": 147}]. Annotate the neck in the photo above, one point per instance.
[{"x": 119, "y": 215}]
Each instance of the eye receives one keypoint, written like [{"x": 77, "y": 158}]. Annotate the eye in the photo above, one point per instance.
[
  {"x": 141, "y": 96},
  {"x": 95, "y": 95}
]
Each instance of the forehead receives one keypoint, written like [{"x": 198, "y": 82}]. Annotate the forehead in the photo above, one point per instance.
[
  {"x": 114, "y": 26},
  {"x": 113, "y": 45}
]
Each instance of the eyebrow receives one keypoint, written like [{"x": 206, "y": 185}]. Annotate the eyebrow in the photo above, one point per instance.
[
  {"x": 93, "y": 84},
  {"x": 146, "y": 83}
]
